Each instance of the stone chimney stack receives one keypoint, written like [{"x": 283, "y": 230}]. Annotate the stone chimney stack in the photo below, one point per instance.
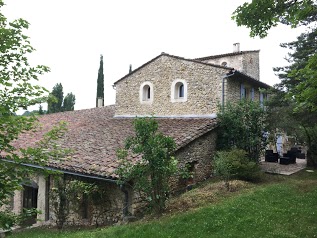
[
  {"x": 100, "y": 102},
  {"x": 236, "y": 47}
]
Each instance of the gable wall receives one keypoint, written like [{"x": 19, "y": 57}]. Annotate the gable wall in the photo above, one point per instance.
[
  {"x": 204, "y": 89},
  {"x": 247, "y": 63}
]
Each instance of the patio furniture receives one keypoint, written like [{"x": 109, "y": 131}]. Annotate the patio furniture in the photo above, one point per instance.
[
  {"x": 285, "y": 160},
  {"x": 270, "y": 156}
]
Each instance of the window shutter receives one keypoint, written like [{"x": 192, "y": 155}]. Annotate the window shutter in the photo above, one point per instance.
[
  {"x": 252, "y": 94},
  {"x": 242, "y": 91}
]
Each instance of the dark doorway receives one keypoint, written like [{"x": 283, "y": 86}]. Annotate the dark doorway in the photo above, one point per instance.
[{"x": 29, "y": 202}]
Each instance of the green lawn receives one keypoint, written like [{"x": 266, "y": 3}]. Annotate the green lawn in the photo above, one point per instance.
[{"x": 284, "y": 208}]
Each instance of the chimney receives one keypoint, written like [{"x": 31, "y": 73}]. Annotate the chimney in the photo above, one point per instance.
[
  {"x": 100, "y": 102},
  {"x": 130, "y": 69},
  {"x": 236, "y": 47}
]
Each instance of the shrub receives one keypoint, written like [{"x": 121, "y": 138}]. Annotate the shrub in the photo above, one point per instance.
[
  {"x": 235, "y": 164},
  {"x": 242, "y": 125}
]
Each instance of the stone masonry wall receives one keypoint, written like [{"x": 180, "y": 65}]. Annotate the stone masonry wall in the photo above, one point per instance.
[
  {"x": 233, "y": 87},
  {"x": 199, "y": 152},
  {"x": 109, "y": 211},
  {"x": 247, "y": 63},
  {"x": 203, "y": 93}
]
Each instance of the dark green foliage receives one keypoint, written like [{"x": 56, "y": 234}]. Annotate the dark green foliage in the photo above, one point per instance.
[
  {"x": 295, "y": 97},
  {"x": 100, "y": 83},
  {"x": 56, "y": 101},
  {"x": 235, "y": 164},
  {"x": 151, "y": 173},
  {"x": 261, "y": 15},
  {"x": 69, "y": 102},
  {"x": 298, "y": 79},
  {"x": 299, "y": 84},
  {"x": 41, "y": 111},
  {"x": 242, "y": 126},
  {"x": 67, "y": 195},
  {"x": 18, "y": 90}
]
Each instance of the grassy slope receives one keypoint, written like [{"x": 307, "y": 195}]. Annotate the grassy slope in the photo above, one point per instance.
[{"x": 285, "y": 208}]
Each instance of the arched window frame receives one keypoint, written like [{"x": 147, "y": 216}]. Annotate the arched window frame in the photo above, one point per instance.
[
  {"x": 146, "y": 93},
  {"x": 176, "y": 90}
]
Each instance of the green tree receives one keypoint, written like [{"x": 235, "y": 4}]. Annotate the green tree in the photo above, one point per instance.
[
  {"x": 41, "y": 111},
  {"x": 100, "y": 83},
  {"x": 300, "y": 123},
  {"x": 69, "y": 102},
  {"x": 18, "y": 90},
  {"x": 150, "y": 174},
  {"x": 55, "y": 102},
  {"x": 298, "y": 80},
  {"x": 242, "y": 126},
  {"x": 261, "y": 15}
]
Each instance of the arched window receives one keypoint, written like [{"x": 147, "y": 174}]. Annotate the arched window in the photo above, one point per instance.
[
  {"x": 179, "y": 91},
  {"x": 146, "y": 92}
]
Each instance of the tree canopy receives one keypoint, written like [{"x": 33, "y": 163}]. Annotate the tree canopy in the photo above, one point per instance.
[
  {"x": 299, "y": 78},
  {"x": 242, "y": 126},
  {"x": 296, "y": 95},
  {"x": 57, "y": 102},
  {"x": 262, "y": 15},
  {"x": 149, "y": 175},
  {"x": 18, "y": 89},
  {"x": 69, "y": 102}
]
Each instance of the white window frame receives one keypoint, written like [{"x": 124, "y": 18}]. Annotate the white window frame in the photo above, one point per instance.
[
  {"x": 143, "y": 93},
  {"x": 175, "y": 91}
]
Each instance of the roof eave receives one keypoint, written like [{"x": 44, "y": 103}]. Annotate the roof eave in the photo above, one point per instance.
[{"x": 237, "y": 74}]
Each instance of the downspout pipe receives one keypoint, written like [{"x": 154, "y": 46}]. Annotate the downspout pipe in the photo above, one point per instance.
[{"x": 231, "y": 73}]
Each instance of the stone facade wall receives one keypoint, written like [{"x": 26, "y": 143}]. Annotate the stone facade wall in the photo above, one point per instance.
[
  {"x": 251, "y": 64},
  {"x": 106, "y": 212},
  {"x": 198, "y": 153},
  {"x": 248, "y": 63},
  {"x": 204, "y": 89},
  {"x": 233, "y": 87}
]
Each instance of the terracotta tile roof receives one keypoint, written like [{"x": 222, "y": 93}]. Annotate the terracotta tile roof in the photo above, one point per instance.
[
  {"x": 94, "y": 136},
  {"x": 224, "y": 55}
]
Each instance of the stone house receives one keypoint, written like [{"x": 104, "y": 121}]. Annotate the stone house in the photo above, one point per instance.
[{"x": 183, "y": 94}]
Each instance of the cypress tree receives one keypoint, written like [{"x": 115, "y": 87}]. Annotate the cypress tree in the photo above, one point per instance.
[
  {"x": 100, "y": 83},
  {"x": 41, "y": 112}
]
